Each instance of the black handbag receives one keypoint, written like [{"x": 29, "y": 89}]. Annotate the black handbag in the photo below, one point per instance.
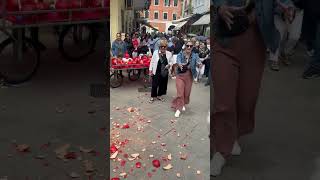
[
  {"x": 164, "y": 71},
  {"x": 240, "y": 25}
]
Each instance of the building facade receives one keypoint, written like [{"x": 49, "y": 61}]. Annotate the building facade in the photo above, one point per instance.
[
  {"x": 187, "y": 8},
  {"x": 200, "y": 6},
  {"x": 123, "y": 15},
  {"x": 161, "y": 13}
]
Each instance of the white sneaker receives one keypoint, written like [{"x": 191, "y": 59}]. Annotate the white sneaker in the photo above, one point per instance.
[
  {"x": 236, "y": 150},
  {"x": 217, "y": 163},
  {"x": 183, "y": 108},
  {"x": 177, "y": 114}
]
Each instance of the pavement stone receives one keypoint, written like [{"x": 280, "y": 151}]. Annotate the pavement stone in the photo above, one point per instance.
[
  {"x": 164, "y": 128},
  {"x": 28, "y": 115}
]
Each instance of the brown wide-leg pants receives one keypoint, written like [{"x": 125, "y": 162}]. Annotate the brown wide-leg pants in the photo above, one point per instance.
[
  {"x": 236, "y": 72},
  {"x": 184, "y": 86}
]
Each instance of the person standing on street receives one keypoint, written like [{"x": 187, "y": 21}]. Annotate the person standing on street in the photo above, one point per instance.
[
  {"x": 311, "y": 10},
  {"x": 157, "y": 41},
  {"x": 204, "y": 53},
  {"x": 151, "y": 43},
  {"x": 207, "y": 70},
  {"x": 175, "y": 49},
  {"x": 159, "y": 71},
  {"x": 118, "y": 47},
  {"x": 186, "y": 72},
  {"x": 290, "y": 30},
  {"x": 244, "y": 30},
  {"x": 129, "y": 44},
  {"x": 135, "y": 43}
]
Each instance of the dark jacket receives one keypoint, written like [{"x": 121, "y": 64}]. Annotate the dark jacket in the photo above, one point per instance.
[{"x": 312, "y": 7}]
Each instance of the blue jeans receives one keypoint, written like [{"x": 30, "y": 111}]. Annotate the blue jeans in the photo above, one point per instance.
[{"x": 315, "y": 61}]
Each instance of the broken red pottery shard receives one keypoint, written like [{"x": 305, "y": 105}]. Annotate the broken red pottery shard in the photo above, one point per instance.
[
  {"x": 45, "y": 146},
  {"x": 138, "y": 165},
  {"x": 125, "y": 126},
  {"x": 70, "y": 155},
  {"x": 156, "y": 163},
  {"x": 113, "y": 149},
  {"x": 123, "y": 163}
]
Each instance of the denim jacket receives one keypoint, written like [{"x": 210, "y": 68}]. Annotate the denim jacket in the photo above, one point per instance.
[
  {"x": 194, "y": 60},
  {"x": 118, "y": 46},
  {"x": 265, "y": 10}
]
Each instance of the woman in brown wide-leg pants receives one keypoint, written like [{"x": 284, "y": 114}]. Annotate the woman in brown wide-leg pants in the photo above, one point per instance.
[{"x": 237, "y": 73}]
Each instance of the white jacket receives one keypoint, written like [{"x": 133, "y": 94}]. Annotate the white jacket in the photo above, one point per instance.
[{"x": 155, "y": 58}]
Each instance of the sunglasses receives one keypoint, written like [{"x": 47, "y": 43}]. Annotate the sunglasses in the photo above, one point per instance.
[
  {"x": 163, "y": 46},
  {"x": 189, "y": 46}
]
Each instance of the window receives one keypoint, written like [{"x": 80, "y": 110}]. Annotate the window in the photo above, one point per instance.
[
  {"x": 174, "y": 16},
  {"x": 166, "y": 2},
  {"x": 165, "y": 16},
  {"x": 175, "y": 2},
  {"x": 146, "y": 14},
  {"x": 156, "y": 15},
  {"x": 128, "y": 3},
  {"x": 156, "y": 2}
]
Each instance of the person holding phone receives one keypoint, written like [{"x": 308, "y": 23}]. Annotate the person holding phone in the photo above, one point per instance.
[
  {"x": 187, "y": 62},
  {"x": 244, "y": 30}
]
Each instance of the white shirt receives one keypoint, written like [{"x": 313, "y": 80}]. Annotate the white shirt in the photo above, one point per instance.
[{"x": 155, "y": 58}]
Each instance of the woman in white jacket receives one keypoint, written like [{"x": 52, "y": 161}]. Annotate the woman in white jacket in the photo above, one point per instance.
[{"x": 159, "y": 71}]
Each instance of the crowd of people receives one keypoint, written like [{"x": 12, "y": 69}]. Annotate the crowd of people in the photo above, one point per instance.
[
  {"x": 245, "y": 32},
  {"x": 186, "y": 60}
]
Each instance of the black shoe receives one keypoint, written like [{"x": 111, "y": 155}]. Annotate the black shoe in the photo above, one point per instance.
[
  {"x": 207, "y": 84},
  {"x": 311, "y": 73}
]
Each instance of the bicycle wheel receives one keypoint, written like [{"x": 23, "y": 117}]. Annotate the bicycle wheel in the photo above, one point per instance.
[
  {"x": 134, "y": 74},
  {"x": 115, "y": 80},
  {"x": 77, "y": 42},
  {"x": 14, "y": 70}
]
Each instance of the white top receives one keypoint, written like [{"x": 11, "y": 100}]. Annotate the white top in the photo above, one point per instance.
[{"x": 155, "y": 58}]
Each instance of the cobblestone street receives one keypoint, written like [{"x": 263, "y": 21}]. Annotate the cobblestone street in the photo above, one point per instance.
[
  {"x": 50, "y": 111},
  {"x": 155, "y": 134}
]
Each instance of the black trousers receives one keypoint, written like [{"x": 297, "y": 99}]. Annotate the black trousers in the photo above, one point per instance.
[
  {"x": 207, "y": 67},
  {"x": 309, "y": 30},
  {"x": 159, "y": 85}
]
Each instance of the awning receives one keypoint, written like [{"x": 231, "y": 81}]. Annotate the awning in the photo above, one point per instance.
[
  {"x": 179, "y": 25},
  {"x": 181, "y": 20},
  {"x": 170, "y": 28},
  {"x": 144, "y": 22},
  {"x": 204, "y": 20}
]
